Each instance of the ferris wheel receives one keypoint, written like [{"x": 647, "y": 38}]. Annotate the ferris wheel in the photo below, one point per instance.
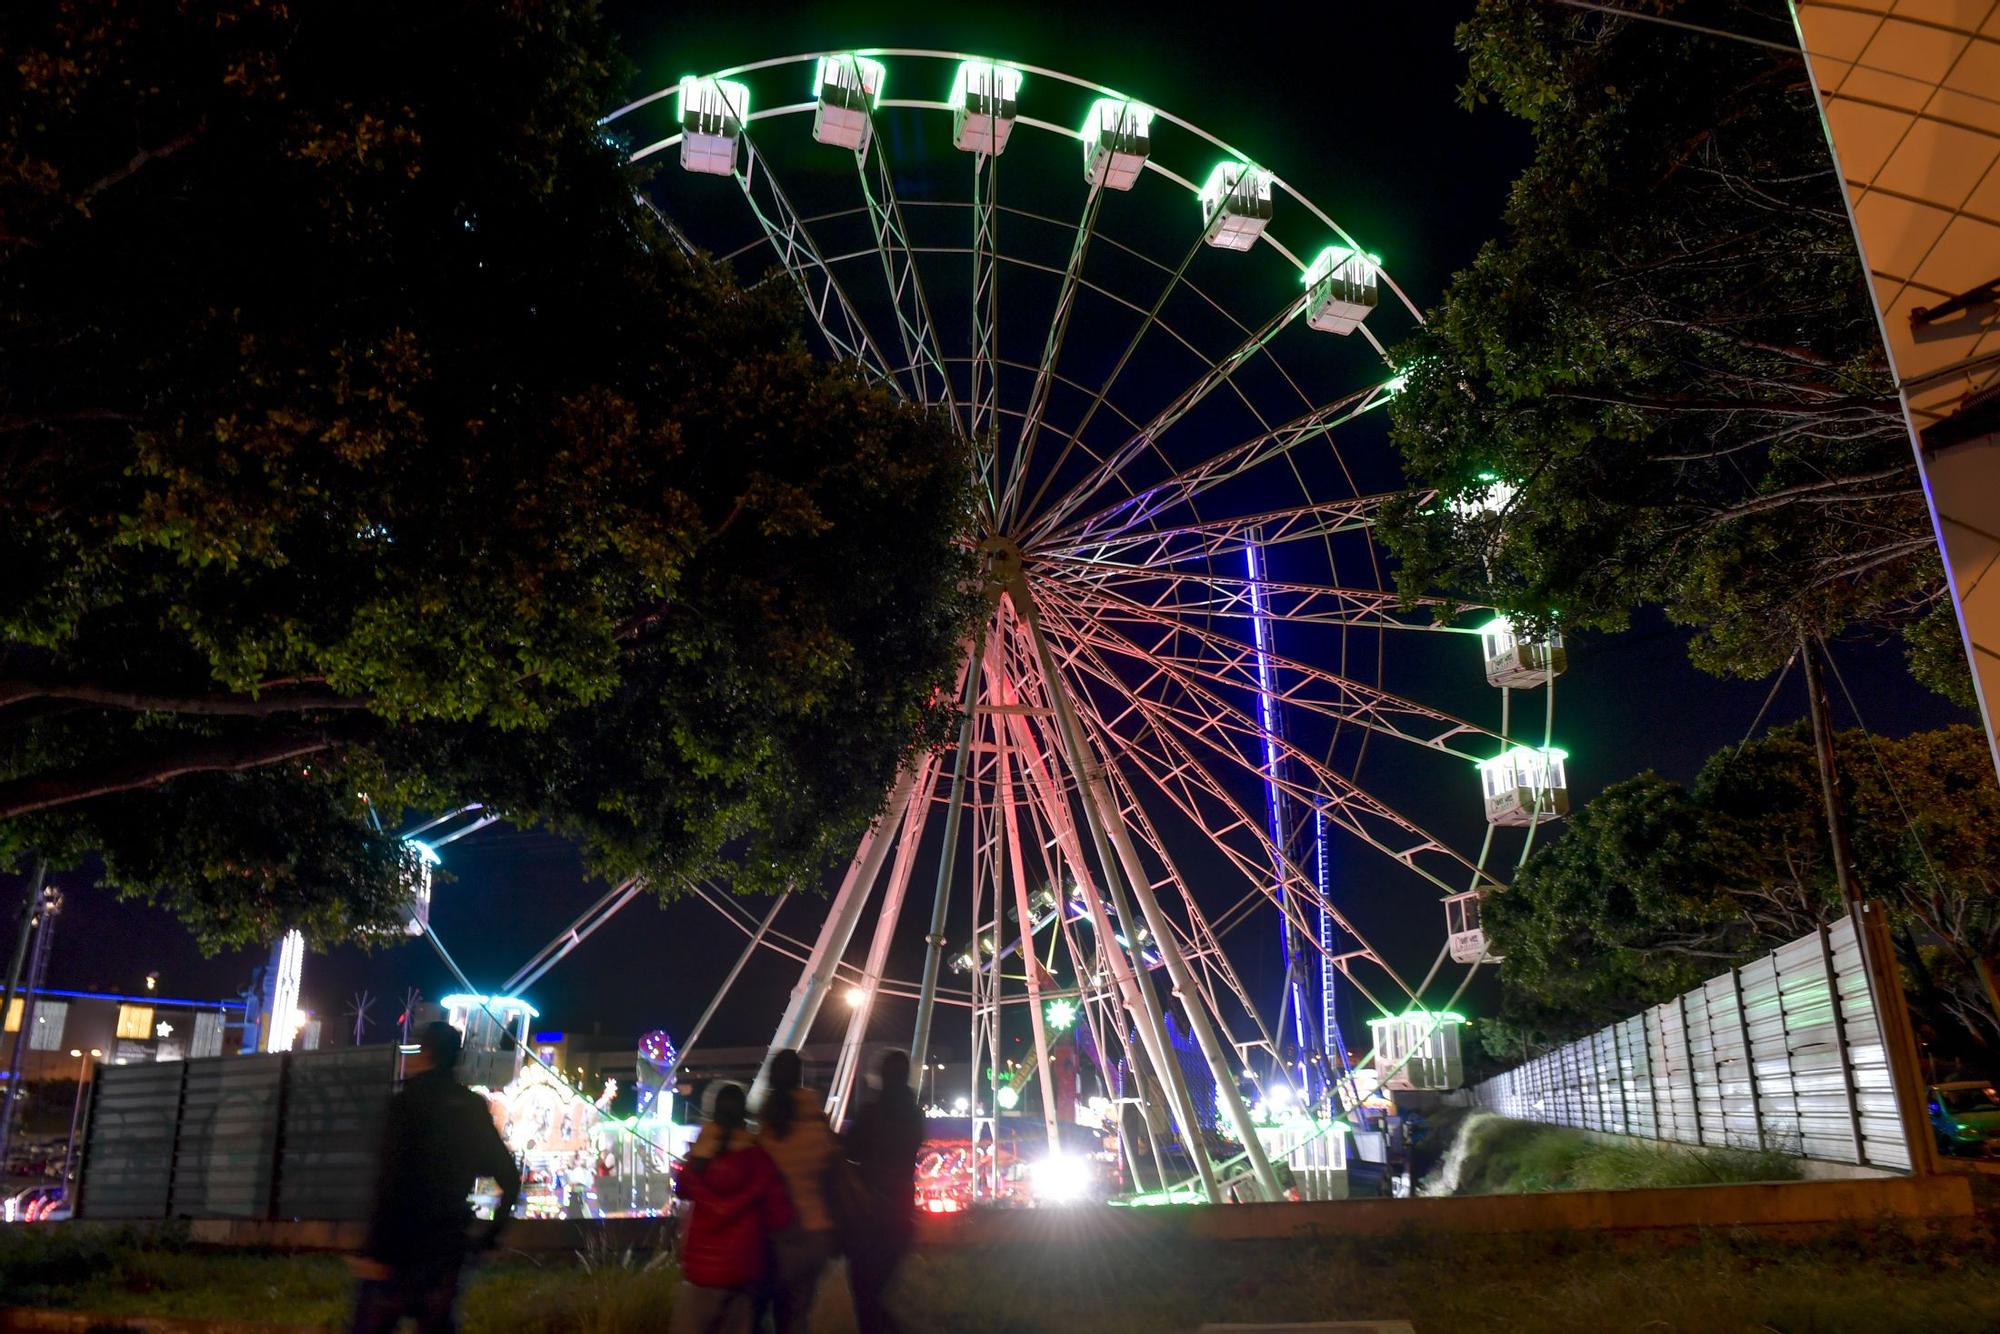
[{"x": 1166, "y": 362}]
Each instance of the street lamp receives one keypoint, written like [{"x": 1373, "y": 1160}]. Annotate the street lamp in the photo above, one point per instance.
[{"x": 76, "y": 1110}]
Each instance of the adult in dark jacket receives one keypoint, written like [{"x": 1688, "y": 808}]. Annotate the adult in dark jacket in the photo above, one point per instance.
[
  {"x": 739, "y": 1203},
  {"x": 883, "y": 1143},
  {"x": 438, "y": 1140}
]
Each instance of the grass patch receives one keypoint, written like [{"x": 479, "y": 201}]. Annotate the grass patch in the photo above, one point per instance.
[
  {"x": 1865, "y": 1281},
  {"x": 1860, "y": 1279},
  {"x": 1504, "y": 1157}
]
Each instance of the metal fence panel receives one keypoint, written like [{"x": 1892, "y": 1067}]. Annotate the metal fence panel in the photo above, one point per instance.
[
  {"x": 228, "y": 1132},
  {"x": 1784, "y": 1053},
  {"x": 334, "y": 1110},
  {"x": 128, "y": 1148},
  {"x": 286, "y": 1136}
]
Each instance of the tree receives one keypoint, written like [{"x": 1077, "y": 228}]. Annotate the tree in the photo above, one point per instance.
[
  {"x": 1669, "y": 360},
  {"x": 1655, "y": 887},
  {"x": 361, "y": 435}
]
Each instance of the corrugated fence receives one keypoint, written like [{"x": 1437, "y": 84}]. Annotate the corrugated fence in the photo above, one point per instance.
[
  {"x": 257, "y": 1137},
  {"x": 1785, "y": 1053}
]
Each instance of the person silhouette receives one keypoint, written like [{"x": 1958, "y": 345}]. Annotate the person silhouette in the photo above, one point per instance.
[
  {"x": 438, "y": 1139},
  {"x": 738, "y": 1203},
  {"x": 792, "y": 1128},
  {"x": 883, "y": 1143}
]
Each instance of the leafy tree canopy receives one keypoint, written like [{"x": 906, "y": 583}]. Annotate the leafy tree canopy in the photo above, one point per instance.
[
  {"x": 361, "y": 435},
  {"x": 1654, "y": 887},
  {"x": 1670, "y": 358}
]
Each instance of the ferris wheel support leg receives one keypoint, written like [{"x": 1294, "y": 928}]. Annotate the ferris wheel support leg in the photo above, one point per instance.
[
  {"x": 722, "y": 992},
  {"x": 837, "y": 930},
  {"x": 848, "y": 1066},
  {"x": 1123, "y": 973},
  {"x": 1184, "y": 983},
  {"x": 1089, "y": 775},
  {"x": 1012, "y": 834},
  {"x": 920, "y": 1039}
]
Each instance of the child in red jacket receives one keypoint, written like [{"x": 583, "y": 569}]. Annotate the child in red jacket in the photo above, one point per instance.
[{"x": 739, "y": 1200}]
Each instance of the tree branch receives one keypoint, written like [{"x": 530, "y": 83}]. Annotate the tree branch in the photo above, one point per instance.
[
  {"x": 23, "y": 796},
  {"x": 140, "y": 159},
  {"x": 1694, "y": 403},
  {"x": 14, "y": 690}
]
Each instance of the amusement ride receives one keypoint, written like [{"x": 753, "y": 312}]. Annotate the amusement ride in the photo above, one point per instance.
[{"x": 1162, "y": 358}]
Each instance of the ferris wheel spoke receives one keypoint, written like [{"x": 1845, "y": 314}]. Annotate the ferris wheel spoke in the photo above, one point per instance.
[
  {"x": 922, "y": 353},
  {"x": 1195, "y": 593},
  {"x": 1217, "y": 375},
  {"x": 1038, "y": 396},
  {"x": 1205, "y": 717},
  {"x": 1186, "y": 782},
  {"x": 1203, "y": 942},
  {"x": 1234, "y": 664},
  {"x": 825, "y": 301},
  {"x": 1075, "y": 439},
  {"x": 1184, "y": 484},
  {"x": 982, "y": 420},
  {"x": 1221, "y": 539}
]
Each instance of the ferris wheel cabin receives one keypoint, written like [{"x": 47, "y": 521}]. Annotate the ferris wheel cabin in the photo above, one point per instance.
[
  {"x": 1116, "y": 139},
  {"x": 1525, "y": 786},
  {"x": 1465, "y": 931},
  {"x": 985, "y": 98},
  {"x": 1521, "y": 663},
  {"x": 1236, "y": 205},
  {"x": 1418, "y": 1050},
  {"x": 846, "y": 90},
  {"x": 712, "y": 112},
  {"x": 495, "y": 1030},
  {"x": 1341, "y": 289}
]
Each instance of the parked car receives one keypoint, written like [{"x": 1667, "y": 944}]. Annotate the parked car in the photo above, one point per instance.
[
  {"x": 1965, "y": 1115},
  {"x": 36, "y": 1204}
]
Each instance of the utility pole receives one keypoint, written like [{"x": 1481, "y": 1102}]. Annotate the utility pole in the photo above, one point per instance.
[
  {"x": 49, "y": 903},
  {"x": 27, "y": 927},
  {"x": 1871, "y": 931}
]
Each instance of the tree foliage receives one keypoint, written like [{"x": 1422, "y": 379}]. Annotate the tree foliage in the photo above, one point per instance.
[
  {"x": 361, "y": 434},
  {"x": 1670, "y": 357},
  {"x": 1654, "y": 887}
]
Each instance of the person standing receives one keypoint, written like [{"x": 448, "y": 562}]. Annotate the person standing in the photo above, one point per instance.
[
  {"x": 738, "y": 1204},
  {"x": 883, "y": 1144},
  {"x": 792, "y": 1128},
  {"x": 438, "y": 1139}
]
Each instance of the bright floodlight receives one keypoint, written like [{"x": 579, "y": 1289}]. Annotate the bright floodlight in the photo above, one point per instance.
[
  {"x": 1341, "y": 289},
  {"x": 856, "y": 995},
  {"x": 1060, "y": 1013},
  {"x": 1117, "y": 136},
  {"x": 1236, "y": 205},
  {"x": 845, "y": 89},
  {"x": 985, "y": 98},
  {"x": 961, "y": 1105},
  {"x": 1061, "y": 1179},
  {"x": 712, "y": 112},
  {"x": 1280, "y": 1096},
  {"x": 1009, "y": 1097}
]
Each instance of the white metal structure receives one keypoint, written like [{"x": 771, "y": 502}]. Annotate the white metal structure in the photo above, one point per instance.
[
  {"x": 1521, "y": 664},
  {"x": 847, "y": 88},
  {"x": 1236, "y": 205},
  {"x": 1341, "y": 289},
  {"x": 1525, "y": 785},
  {"x": 1418, "y": 1050},
  {"x": 1143, "y": 423},
  {"x": 1117, "y": 136},
  {"x": 712, "y": 113}
]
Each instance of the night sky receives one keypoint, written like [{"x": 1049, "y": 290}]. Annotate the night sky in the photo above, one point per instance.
[{"x": 1359, "y": 112}]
